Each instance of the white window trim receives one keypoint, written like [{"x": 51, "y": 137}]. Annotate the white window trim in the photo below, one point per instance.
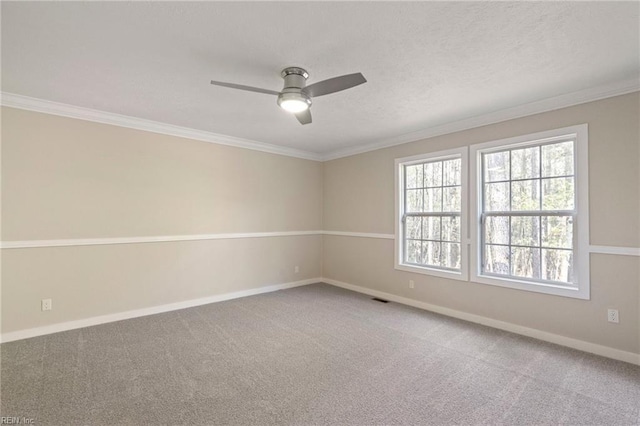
[
  {"x": 463, "y": 274},
  {"x": 581, "y": 222}
]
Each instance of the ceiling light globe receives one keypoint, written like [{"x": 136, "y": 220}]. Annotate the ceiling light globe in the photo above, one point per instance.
[
  {"x": 294, "y": 105},
  {"x": 294, "y": 102}
]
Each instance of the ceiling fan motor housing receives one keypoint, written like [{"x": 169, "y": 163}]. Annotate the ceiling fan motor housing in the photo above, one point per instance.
[
  {"x": 294, "y": 77},
  {"x": 294, "y": 81}
]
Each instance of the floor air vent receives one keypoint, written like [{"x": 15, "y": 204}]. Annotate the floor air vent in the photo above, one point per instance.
[{"x": 380, "y": 300}]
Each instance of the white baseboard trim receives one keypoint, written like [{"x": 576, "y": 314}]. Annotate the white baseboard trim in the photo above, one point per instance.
[
  {"x": 581, "y": 345},
  {"x": 501, "y": 325},
  {"x": 102, "y": 319}
]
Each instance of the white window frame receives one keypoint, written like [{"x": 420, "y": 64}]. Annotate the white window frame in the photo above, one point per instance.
[
  {"x": 461, "y": 153},
  {"x": 579, "y": 134}
]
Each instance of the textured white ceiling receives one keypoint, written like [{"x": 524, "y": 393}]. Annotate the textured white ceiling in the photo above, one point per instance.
[{"x": 427, "y": 63}]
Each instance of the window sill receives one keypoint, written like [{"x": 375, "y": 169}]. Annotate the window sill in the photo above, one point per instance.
[
  {"x": 556, "y": 290},
  {"x": 453, "y": 275}
]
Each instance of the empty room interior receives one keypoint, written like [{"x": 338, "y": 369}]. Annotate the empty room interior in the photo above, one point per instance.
[{"x": 320, "y": 213}]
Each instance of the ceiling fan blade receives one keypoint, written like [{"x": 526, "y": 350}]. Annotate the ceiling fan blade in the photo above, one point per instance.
[
  {"x": 304, "y": 117},
  {"x": 335, "y": 84},
  {"x": 241, "y": 87}
]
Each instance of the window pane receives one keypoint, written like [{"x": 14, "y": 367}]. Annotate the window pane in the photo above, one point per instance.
[
  {"x": 557, "y": 194},
  {"x": 414, "y": 176},
  {"x": 431, "y": 228},
  {"x": 525, "y": 195},
  {"x": 430, "y": 187},
  {"x": 451, "y": 255},
  {"x": 557, "y": 265},
  {"x": 413, "y": 228},
  {"x": 496, "y": 166},
  {"x": 557, "y": 231},
  {"x": 496, "y": 196},
  {"x": 413, "y": 252},
  {"x": 451, "y": 199},
  {"x": 496, "y": 259},
  {"x": 433, "y": 200},
  {"x": 557, "y": 159},
  {"x": 525, "y": 163},
  {"x": 433, "y": 174},
  {"x": 497, "y": 229},
  {"x": 431, "y": 253},
  {"x": 528, "y": 204},
  {"x": 525, "y": 262},
  {"x": 414, "y": 200},
  {"x": 525, "y": 230},
  {"x": 452, "y": 172},
  {"x": 451, "y": 228}
]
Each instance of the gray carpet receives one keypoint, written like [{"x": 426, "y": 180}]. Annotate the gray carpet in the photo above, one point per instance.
[{"x": 312, "y": 355}]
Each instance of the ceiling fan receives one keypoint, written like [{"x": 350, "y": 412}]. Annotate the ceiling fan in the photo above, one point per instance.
[{"x": 295, "y": 97}]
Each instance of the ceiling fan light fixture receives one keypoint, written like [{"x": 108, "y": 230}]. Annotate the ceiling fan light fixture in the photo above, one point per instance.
[
  {"x": 294, "y": 102},
  {"x": 294, "y": 105},
  {"x": 296, "y": 96}
]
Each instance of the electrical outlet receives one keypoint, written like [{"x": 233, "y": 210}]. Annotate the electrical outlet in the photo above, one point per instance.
[
  {"x": 47, "y": 304},
  {"x": 613, "y": 316},
  {"x": 411, "y": 284},
  {"x": 296, "y": 269}
]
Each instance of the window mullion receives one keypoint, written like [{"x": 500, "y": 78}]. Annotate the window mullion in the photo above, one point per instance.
[
  {"x": 532, "y": 213},
  {"x": 431, "y": 214},
  {"x": 510, "y": 181},
  {"x": 540, "y": 180}
]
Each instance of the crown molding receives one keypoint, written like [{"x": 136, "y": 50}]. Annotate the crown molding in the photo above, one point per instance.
[
  {"x": 563, "y": 101},
  {"x": 13, "y": 100},
  {"x": 618, "y": 88}
]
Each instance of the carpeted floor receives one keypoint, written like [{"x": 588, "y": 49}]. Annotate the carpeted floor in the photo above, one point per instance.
[{"x": 309, "y": 355}]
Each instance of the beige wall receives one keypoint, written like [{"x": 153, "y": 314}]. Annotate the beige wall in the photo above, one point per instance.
[
  {"x": 88, "y": 281},
  {"x": 359, "y": 197},
  {"x": 65, "y": 179}
]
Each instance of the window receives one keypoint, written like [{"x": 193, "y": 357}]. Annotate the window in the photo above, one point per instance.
[
  {"x": 529, "y": 217},
  {"x": 531, "y": 222},
  {"x": 431, "y": 215}
]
